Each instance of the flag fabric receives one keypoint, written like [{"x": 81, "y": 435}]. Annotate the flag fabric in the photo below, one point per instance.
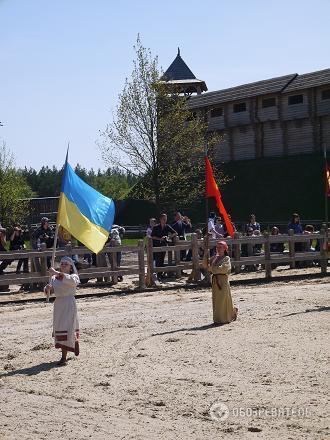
[
  {"x": 212, "y": 190},
  {"x": 84, "y": 212},
  {"x": 327, "y": 179}
]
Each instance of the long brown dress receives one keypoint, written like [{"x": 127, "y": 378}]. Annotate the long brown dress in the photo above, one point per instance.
[{"x": 223, "y": 309}]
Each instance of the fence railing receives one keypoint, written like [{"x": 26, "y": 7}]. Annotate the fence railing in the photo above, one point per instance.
[{"x": 145, "y": 269}]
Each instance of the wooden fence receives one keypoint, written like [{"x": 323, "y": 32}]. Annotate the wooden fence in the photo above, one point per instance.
[{"x": 146, "y": 272}]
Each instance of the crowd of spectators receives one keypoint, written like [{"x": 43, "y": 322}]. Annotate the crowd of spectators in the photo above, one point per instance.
[{"x": 162, "y": 234}]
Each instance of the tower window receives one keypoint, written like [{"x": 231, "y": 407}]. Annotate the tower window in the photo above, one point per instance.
[
  {"x": 241, "y": 107},
  {"x": 295, "y": 99},
  {"x": 326, "y": 94},
  {"x": 216, "y": 112},
  {"x": 268, "y": 102}
]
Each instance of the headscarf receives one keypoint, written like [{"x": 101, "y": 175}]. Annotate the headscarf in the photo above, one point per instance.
[
  {"x": 71, "y": 262},
  {"x": 224, "y": 244}
]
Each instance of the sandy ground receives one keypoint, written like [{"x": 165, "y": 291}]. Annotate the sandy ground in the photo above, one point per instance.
[{"x": 151, "y": 367}]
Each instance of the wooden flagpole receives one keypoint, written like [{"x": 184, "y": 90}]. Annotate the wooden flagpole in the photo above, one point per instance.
[
  {"x": 207, "y": 237},
  {"x": 57, "y": 227}
]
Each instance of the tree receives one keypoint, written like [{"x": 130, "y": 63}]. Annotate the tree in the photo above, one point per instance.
[
  {"x": 13, "y": 188},
  {"x": 154, "y": 135}
]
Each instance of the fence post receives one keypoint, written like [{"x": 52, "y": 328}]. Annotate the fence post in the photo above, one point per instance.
[
  {"x": 291, "y": 249},
  {"x": 268, "y": 264},
  {"x": 324, "y": 250},
  {"x": 68, "y": 249},
  {"x": 150, "y": 263},
  {"x": 114, "y": 267},
  {"x": 237, "y": 253},
  {"x": 195, "y": 273},
  {"x": 176, "y": 255},
  {"x": 101, "y": 262},
  {"x": 43, "y": 264},
  {"x": 142, "y": 277}
]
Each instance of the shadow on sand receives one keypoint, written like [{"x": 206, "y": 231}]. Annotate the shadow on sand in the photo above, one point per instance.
[
  {"x": 31, "y": 371},
  {"x": 318, "y": 309},
  {"x": 190, "y": 329}
]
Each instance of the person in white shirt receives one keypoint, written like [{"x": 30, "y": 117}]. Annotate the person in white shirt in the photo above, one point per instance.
[{"x": 63, "y": 284}]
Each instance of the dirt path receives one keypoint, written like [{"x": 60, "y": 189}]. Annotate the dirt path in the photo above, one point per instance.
[{"x": 151, "y": 367}]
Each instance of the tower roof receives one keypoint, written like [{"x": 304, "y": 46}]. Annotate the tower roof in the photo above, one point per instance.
[
  {"x": 181, "y": 79},
  {"x": 178, "y": 70}
]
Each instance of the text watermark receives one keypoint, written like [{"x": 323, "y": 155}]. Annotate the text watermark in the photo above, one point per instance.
[{"x": 220, "y": 411}]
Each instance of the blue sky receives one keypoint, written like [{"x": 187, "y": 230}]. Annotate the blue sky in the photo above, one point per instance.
[{"x": 63, "y": 62}]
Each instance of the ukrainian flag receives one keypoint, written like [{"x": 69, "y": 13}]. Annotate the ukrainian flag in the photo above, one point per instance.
[{"x": 84, "y": 212}]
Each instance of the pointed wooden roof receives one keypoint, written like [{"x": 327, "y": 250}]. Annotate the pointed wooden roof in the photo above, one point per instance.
[
  {"x": 178, "y": 70},
  {"x": 179, "y": 76}
]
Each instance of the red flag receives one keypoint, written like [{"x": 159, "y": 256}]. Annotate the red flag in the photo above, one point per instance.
[
  {"x": 212, "y": 190},
  {"x": 327, "y": 179}
]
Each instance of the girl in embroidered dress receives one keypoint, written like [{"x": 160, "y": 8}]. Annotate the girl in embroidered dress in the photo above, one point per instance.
[
  {"x": 65, "y": 317},
  {"x": 220, "y": 267}
]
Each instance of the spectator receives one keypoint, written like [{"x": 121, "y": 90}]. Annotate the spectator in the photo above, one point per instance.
[
  {"x": 252, "y": 224},
  {"x": 160, "y": 237},
  {"x": 63, "y": 238},
  {"x": 212, "y": 232},
  {"x": 181, "y": 226},
  {"x": 247, "y": 249},
  {"x": 116, "y": 234},
  {"x": 219, "y": 227},
  {"x": 297, "y": 229},
  {"x": 44, "y": 234},
  {"x": 3, "y": 242},
  {"x": 3, "y": 249},
  {"x": 16, "y": 244},
  {"x": 226, "y": 234},
  {"x": 257, "y": 248},
  {"x": 199, "y": 234},
  {"x": 152, "y": 223},
  {"x": 276, "y": 247}
]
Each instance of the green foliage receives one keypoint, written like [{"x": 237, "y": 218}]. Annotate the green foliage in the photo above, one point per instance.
[
  {"x": 47, "y": 182},
  {"x": 156, "y": 136},
  {"x": 13, "y": 188}
]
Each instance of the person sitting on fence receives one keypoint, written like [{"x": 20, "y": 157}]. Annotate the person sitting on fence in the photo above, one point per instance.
[
  {"x": 44, "y": 234},
  {"x": 116, "y": 234},
  {"x": 276, "y": 247},
  {"x": 181, "y": 225},
  {"x": 152, "y": 223},
  {"x": 252, "y": 224},
  {"x": 161, "y": 235}
]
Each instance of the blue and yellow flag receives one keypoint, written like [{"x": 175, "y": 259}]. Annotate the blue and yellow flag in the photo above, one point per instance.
[{"x": 84, "y": 212}]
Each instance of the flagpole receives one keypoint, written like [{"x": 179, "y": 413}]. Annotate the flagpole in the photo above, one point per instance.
[
  {"x": 326, "y": 187},
  {"x": 207, "y": 237},
  {"x": 52, "y": 264}
]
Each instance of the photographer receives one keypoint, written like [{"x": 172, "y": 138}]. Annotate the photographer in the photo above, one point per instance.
[
  {"x": 161, "y": 235},
  {"x": 16, "y": 244}
]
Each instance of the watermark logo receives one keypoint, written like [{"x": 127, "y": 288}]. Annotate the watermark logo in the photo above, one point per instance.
[{"x": 220, "y": 412}]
